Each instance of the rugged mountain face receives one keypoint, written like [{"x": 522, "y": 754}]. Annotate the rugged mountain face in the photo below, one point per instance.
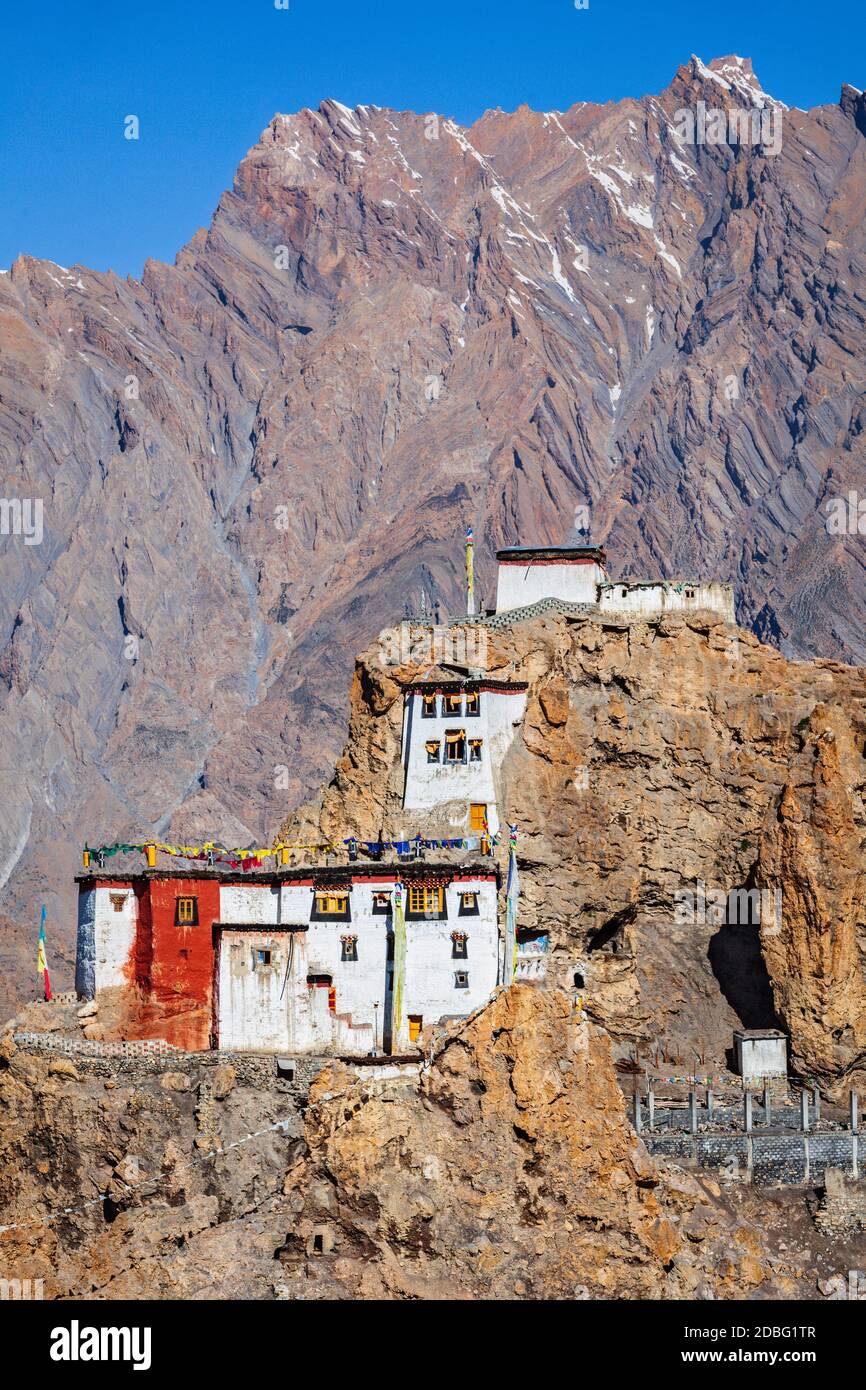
[
  {"x": 661, "y": 767},
  {"x": 506, "y": 1169},
  {"x": 250, "y": 460}
]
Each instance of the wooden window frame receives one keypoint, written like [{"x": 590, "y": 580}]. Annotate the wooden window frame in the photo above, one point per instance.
[
  {"x": 472, "y": 909},
  {"x": 473, "y": 704},
  {"x": 430, "y": 744},
  {"x": 326, "y": 913},
  {"x": 455, "y": 736},
  {"x": 180, "y": 914},
  {"x": 426, "y": 908},
  {"x": 428, "y": 706}
]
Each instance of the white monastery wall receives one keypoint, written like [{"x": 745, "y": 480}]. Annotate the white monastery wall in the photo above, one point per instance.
[
  {"x": 107, "y": 918},
  {"x": 664, "y": 596},
  {"x": 520, "y": 583},
  {"x": 268, "y": 1004},
  {"x": 428, "y": 785}
]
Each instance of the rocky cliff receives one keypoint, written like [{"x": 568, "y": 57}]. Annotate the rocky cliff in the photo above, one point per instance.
[
  {"x": 662, "y": 768},
  {"x": 248, "y": 461},
  {"x": 505, "y": 1169}
]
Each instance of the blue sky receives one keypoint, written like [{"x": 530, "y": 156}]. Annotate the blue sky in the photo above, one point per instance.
[{"x": 205, "y": 78}]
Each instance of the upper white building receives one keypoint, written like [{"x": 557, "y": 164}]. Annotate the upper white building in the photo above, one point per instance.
[
  {"x": 527, "y": 574},
  {"x": 456, "y": 734},
  {"x": 576, "y": 574}
]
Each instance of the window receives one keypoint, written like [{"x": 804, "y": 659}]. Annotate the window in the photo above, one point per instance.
[
  {"x": 333, "y": 906},
  {"x": 475, "y": 750},
  {"x": 690, "y": 593},
  {"x": 472, "y": 703},
  {"x": 468, "y": 905},
  {"x": 428, "y": 706},
  {"x": 261, "y": 959},
  {"x": 478, "y": 816},
  {"x": 186, "y": 912},
  {"x": 381, "y": 904},
  {"x": 452, "y": 704},
  {"x": 426, "y": 902},
  {"x": 350, "y": 947},
  {"x": 459, "y": 945},
  {"x": 117, "y": 901},
  {"x": 332, "y": 903},
  {"x": 416, "y": 1023},
  {"x": 455, "y": 745},
  {"x": 461, "y": 979},
  {"x": 432, "y": 746}
]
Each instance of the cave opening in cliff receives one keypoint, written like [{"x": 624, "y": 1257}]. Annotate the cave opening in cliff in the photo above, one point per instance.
[{"x": 736, "y": 960}]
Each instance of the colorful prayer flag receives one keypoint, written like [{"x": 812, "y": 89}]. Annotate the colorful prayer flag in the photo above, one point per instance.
[{"x": 42, "y": 959}]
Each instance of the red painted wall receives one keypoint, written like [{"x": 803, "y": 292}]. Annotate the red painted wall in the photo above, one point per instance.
[{"x": 174, "y": 964}]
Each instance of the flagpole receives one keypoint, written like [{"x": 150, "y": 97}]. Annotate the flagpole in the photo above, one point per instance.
[{"x": 470, "y": 573}]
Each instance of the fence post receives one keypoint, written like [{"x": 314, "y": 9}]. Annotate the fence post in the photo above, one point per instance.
[
  {"x": 710, "y": 1102},
  {"x": 693, "y": 1112},
  {"x": 804, "y": 1112},
  {"x": 816, "y": 1103},
  {"x": 766, "y": 1104},
  {"x": 852, "y": 1101},
  {"x": 651, "y": 1107}
]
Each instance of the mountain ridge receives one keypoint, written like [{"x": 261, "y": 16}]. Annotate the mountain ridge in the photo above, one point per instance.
[{"x": 380, "y": 338}]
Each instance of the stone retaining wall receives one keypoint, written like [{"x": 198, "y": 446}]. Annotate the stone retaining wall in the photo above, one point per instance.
[{"x": 765, "y": 1159}]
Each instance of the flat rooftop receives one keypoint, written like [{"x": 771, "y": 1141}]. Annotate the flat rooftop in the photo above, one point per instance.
[
  {"x": 319, "y": 873},
  {"x": 552, "y": 552}
]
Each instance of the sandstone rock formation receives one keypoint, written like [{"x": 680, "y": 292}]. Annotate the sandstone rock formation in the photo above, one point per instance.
[
  {"x": 505, "y": 1169},
  {"x": 249, "y": 461},
  {"x": 649, "y": 766},
  {"x": 813, "y": 844}
]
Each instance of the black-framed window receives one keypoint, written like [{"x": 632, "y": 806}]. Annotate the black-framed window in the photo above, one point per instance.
[
  {"x": 473, "y": 703},
  {"x": 468, "y": 905},
  {"x": 186, "y": 911},
  {"x": 461, "y": 979},
  {"x": 428, "y": 706},
  {"x": 459, "y": 945},
  {"x": 475, "y": 750},
  {"x": 432, "y": 746},
  {"x": 349, "y": 945},
  {"x": 455, "y": 745},
  {"x": 331, "y": 905},
  {"x": 452, "y": 705},
  {"x": 262, "y": 958},
  {"x": 381, "y": 904}
]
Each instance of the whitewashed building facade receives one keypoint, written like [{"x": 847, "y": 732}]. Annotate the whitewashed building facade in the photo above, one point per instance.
[{"x": 455, "y": 738}]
